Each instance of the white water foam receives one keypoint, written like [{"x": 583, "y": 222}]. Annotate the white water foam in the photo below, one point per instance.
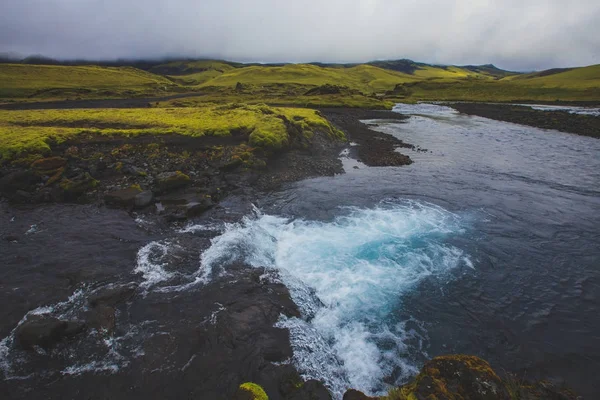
[
  {"x": 348, "y": 277},
  {"x": 151, "y": 263}
]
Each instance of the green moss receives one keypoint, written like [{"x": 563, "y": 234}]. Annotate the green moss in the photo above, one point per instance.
[
  {"x": 52, "y": 81},
  {"x": 74, "y": 187},
  {"x": 256, "y": 391}
]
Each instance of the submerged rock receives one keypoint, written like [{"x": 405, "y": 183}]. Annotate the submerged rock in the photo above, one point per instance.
[
  {"x": 45, "y": 332},
  {"x": 112, "y": 296},
  {"x": 103, "y": 318}
]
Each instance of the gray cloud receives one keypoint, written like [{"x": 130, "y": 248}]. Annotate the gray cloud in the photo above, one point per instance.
[{"x": 514, "y": 34}]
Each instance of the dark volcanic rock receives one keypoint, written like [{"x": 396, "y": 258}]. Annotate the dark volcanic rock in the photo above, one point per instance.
[
  {"x": 143, "y": 199},
  {"x": 45, "y": 332},
  {"x": 102, "y": 318},
  {"x": 19, "y": 180},
  {"x": 184, "y": 205},
  {"x": 112, "y": 296},
  {"x": 313, "y": 390},
  {"x": 123, "y": 197},
  {"x": 356, "y": 395},
  {"x": 168, "y": 181}
]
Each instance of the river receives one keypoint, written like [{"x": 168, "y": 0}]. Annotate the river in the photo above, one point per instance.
[{"x": 488, "y": 244}]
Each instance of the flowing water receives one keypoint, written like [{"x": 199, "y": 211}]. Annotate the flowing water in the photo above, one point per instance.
[{"x": 488, "y": 244}]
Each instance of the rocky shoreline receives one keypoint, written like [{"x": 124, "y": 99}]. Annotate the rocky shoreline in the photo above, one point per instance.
[
  {"x": 180, "y": 177},
  {"x": 218, "y": 337},
  {"x": 585, "y": 125}
]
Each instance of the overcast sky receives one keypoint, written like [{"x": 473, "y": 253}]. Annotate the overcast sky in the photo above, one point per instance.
[{"x": 513, "y": 34}]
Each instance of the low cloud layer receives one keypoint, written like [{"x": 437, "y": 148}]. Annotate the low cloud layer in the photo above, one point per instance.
[{"x": 513, "y": 34}]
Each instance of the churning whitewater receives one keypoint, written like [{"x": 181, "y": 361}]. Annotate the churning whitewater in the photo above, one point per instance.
[{"x": 348, "y": 276}]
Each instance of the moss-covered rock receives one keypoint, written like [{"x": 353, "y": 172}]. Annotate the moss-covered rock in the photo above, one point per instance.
[
  {"x": 48, "y": 164},
  {"x": 77, "y": 186},
  {"x": 168, "y": 181},
  {"x": 251, "y": 391}
]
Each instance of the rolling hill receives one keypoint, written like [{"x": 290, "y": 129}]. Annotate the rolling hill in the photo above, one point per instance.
[{"x": 223, "y": 81}]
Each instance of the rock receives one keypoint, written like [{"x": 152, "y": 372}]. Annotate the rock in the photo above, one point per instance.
[
  {"x": 133, "y": 170},
  {"x": 143, "y": 199},
  {"x": 75, "y": 328},
  {"x": 356, "y": 395},
  {"x": 45, "y": 331},
  {"x": 122, "y": 197},
  {"x": 112, "y": 296},
  {"x": 11, "y": 238},
  {"x": 168, "y": 181},
  {"x": 455, "y": 377},
  {"x": 75, "y": 187},
  {"x": 102, "y": 318},
  {"x": 250, "y": 391},
  {"x": 20, "y": 180},
  {"x": 22, "y": 196},
  {"x": 313, "y": 390},
  {"x": 185, "y": 205},
  {"x": 47, "y": 166},
  {"x": 97, "y": 168}
]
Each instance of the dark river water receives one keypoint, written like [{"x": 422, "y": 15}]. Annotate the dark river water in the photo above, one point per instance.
[{"x": 488, "y": 244}]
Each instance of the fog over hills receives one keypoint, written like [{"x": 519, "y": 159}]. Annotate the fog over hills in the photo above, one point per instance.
[{"x": 513, "y": 35}]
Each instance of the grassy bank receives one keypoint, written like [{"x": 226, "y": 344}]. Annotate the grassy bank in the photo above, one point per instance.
[{"x": 265, "y": 127}]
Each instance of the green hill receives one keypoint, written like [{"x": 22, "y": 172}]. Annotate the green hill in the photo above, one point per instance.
[
  {"x": 301, "y": 84},
  {"x": 55, "y": 81}
]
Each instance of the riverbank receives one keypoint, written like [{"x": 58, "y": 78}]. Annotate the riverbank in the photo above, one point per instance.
[{"x": 564, "y": 121}]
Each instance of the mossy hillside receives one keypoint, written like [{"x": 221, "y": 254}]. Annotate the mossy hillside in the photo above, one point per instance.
[
  {"x": 266, "y": 127},
  {"x": 278, "y": 94},
  {"x": 572, "y": 78},
  {"x": 22, "y": 81},
  {"x": 365, "y": 78},
  {"x": 492, "y": 91},
  {"x": 177, "y": 68}
]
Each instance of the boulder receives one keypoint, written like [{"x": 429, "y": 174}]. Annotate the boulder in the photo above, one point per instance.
[
  {"x": 133, "y": 170},
  {"x": 20, "y": 180},
  {"x": 48, "y": 166},
  {"x": 143, "y": 199},
  {"x": 311, "y": 389},
  {"x": 77, "y": 186},
  {"x": 455, "y": 377},
  {"x": 168, "y": 181},
  {"x": 45, "y": 331},
  {"x": 102, "y": 318},
  {"x": 356, "y": 395},
  {"x": 185, "y": 205},
  {"x": 122, "y": 197},
  {"x": 112, "y": 296}
]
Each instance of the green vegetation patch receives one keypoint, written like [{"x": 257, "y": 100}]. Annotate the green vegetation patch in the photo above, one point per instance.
[
  {"x": 255, "y": 392},
  {"x": 47, "y": 81},
  {"x": 266, "y": 127}
]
